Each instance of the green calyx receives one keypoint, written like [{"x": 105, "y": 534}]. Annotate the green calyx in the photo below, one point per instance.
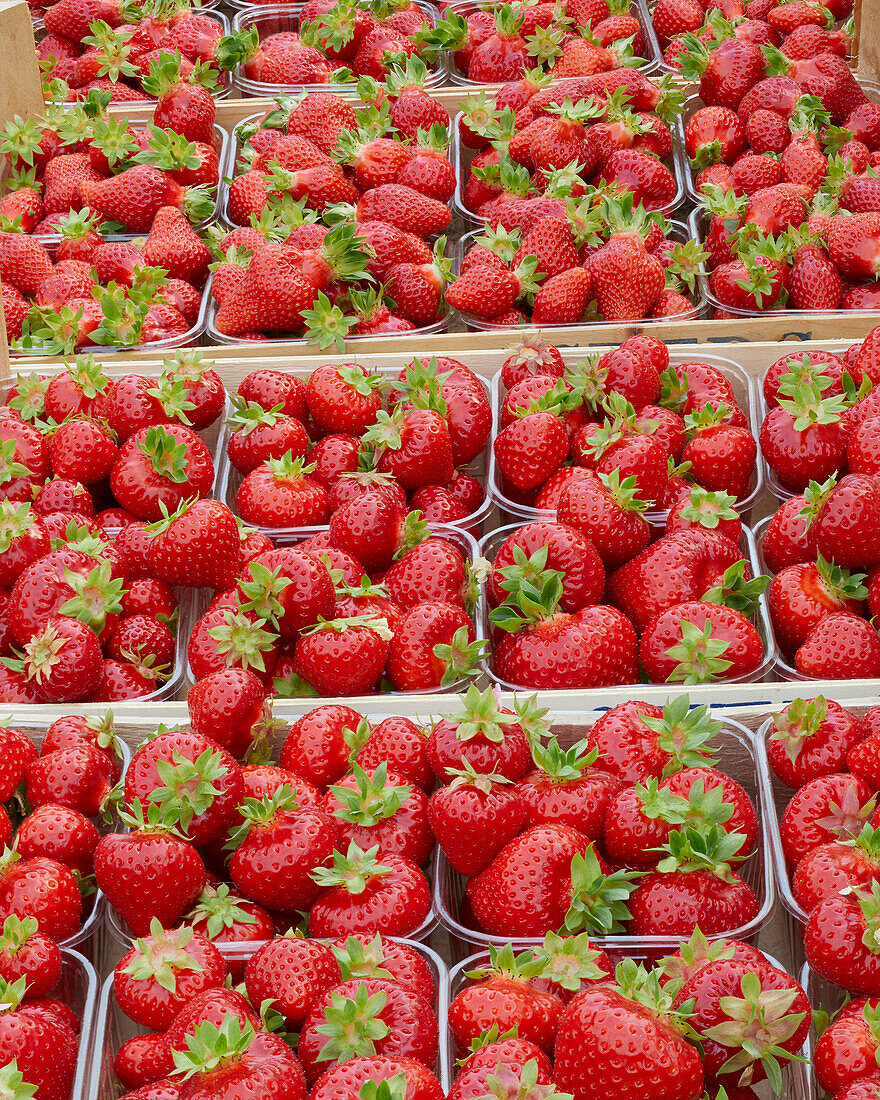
[
  {"x": 353, "y": 871},
  {"x": 191, "y": 786},
  {"x": 468, "y": 776},
  {"x": 708, "y": 508},
  {"x": 13, "y": 1085},
  {"x": 693, "y": 955},
  {"x": 481, "y": 716},
  {"x": 700, "y": 808},
  {"x": 841, "y": 583},
  {"x": 159, "y": 956},
  {"x": 155, "y": 818},
  {"x": 16, "y": 933},
  {"x": 10, "y": 469},
  {"x": 241, "y": 641},
  {"x": 262, "y": 593},
  {"x": 359, "y": 960},
  {"x": 801, "y": 719},
  {"x": 685, "y": 733},
  {"x": 353, "y": 1025},
  {"x": 757, "y": 1025},
  {"x": 806, "y": 404},
  {"x": 567, "y": 960},
  {"x": 598, "y": 901},
  {"x": 461, "y": 657},
  {"x": 167, "y": 457},
  {"x": 504, "y": 963},
  {"x": 208, "y": 1047},
  {"x": 735, "y": 591},
  {"x": 373, "y": 800},
  {"x": 507, "y": 1083},
  {"x": 702, "y": 849},
  {"x": 259, "y": 812},
  {"x": 700, "y": 655},
  {"x": 563, "y": 765},
  {"x": 288, "y": 468},
  {"x": 533, "y": 591},
  {"x": 95, "y": 596},
  {"x": 391, "y": 1088},
  {"x": 15, "y": 520},
  {"x": 219, "y": 909}
]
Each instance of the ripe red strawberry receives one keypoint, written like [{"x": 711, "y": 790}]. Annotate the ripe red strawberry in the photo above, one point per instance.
[
  {"x": 402, "y": 1024},
  {"x": 604, "y": 508},
  {"x": 344, "y": 656},
  {"x": 42, "y": 888},
  {"x": 26, "y": 1040},
  {"x": 844, "y": 526},
  {"x": 698, "y": 642},
  {"x": 727, "y": 990},
  {"x": 363, "y": 893},
  {"x": 229, "y": 706},
  {"x": 569, "y": 885},
  {"x": 837, "y": 937},
  {"x": 293, "y": 973},
  {"x": 197, "y": 545},
  {"x": 588, "y": 1065},
  {"x": 61, "y": 834},
  {"x": 694, "y": 887},
  {"x": 278, "y": 846},
  {"x": 78, "y": 776},
  {"x": 122, "y": 860},
  {"x": 161, "y": 972},
  {"x": 811, "y": 738},
  {"x": 433, "y": 645},
  {"x": 801, "y": 595},
  {"x": 840, "y": 646},
  {"x": 529, "y": 450},
  {"x": 830, "y": 807}
]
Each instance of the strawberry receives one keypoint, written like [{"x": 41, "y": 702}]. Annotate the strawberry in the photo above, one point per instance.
[
  {"x": 293, "y": 973},
  {"x": 844, "y": 523},
  {"x": 728, "y": 989},
  {"x": 120, "y": 860},
  {"x": 42, "y": 888},
  {"x": 270, "y": 297},
  {"x": 433, "y": 645},
  {"x": 830, "y": 807},
  {"x": 569, "y": 884},
  {"x": 380, "y": 1076},
  {"x": 566, "y": 789},
  {"x": 529, "y": 450},
  {"x": 280, "y": 493},
  {"x": 344, "y": 656},
  {"x": 811, "y": 738},
  {"x": 196, "y": 545},
  {"x": 801, "y": 595},
  {"x": 603, "y": 508},
  {"x": 586, "y": 1052},
  {"x": 838, "y": 938},
  {"x": 388, "y": 897},
  {"x": 27, "y": 1039},
  {"x": 840, "y": 646},
  {"x": 401, "y": 1022},
  {"x": 174, "y": 245},
  {"x": 273, "y": 829},
  {"x": 457, "y": 812},
  {"x": 698, "y": 642},
  {"x": 61, "y": 834}
]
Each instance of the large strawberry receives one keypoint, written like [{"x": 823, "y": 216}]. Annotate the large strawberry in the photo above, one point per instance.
[
  {"x": 125, "y": 869},
  {"x": 566, "y": 881}
]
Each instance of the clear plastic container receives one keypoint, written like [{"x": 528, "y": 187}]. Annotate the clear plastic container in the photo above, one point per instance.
[
  {"x": 229, "y": 479},
  {"x": 677, "y": 231},
  {"x": 747, "y": 398},
  {"x": 185, "y": 596},
  {"x": 224, "y": 86},
  {"x": 795, "y": 1075},
  {"x": 491, "y": 543},
  {"x": 222, "y": 143},
  {"x": 779, "y": 795},
  {"x": 113, "y": 1027},
  {"x": 78, "y": 989},
  {"x": 461, "y": 156},
  {"x": 736, "y": 758},
  {"x": 214, "y": 336},
  {"x": 784, "y": 669},
  {"x": 465, "y": 542},
  {"x": 121, "y": 934},
  {"x": 94, "y": 905},
  {"x": 639, "y": 8},
  {"x": 280, "y": 18}
]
